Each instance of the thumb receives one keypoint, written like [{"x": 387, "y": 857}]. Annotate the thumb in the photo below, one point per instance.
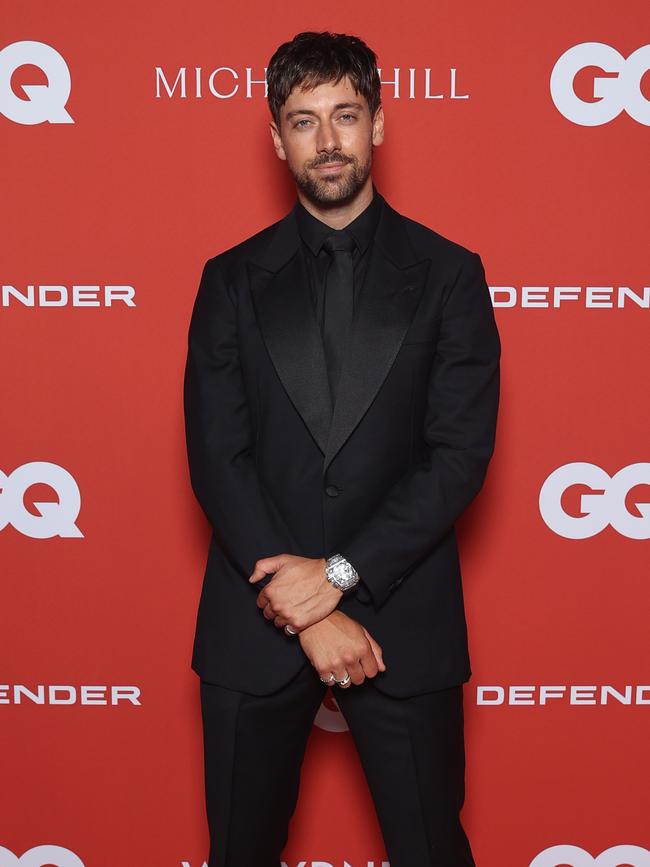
[
  {"x": 376, "y": 649},
  {"x": 267, "y": 565}
]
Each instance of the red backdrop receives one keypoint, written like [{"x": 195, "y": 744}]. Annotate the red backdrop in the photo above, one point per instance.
[{"x": 126, "y": 182}]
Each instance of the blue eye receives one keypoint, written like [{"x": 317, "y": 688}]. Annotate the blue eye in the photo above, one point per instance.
[{"x": 303, "y": 122}]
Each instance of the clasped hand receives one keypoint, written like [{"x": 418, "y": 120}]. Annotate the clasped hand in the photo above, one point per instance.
[{"x": 300, "y": 595}]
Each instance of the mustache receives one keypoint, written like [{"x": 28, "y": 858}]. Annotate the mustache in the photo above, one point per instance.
[{"x": 331, "y": 160}]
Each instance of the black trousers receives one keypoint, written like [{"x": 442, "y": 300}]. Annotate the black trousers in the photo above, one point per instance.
[{"x": 411, "y": 749}]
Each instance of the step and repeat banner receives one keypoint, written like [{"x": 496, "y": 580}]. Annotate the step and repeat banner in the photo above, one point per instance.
[{"x": 135, "y": 145}]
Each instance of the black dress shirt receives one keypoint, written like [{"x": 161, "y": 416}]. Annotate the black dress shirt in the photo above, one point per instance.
[{"x": 313, "y": 232}]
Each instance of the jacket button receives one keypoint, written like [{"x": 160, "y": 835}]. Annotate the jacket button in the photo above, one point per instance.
[{"x": 332, "y": 491}]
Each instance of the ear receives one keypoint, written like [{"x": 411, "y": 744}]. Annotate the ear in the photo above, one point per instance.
[
  {"x": 277, "y": 141},
  {"x": 378, "y": 126}
]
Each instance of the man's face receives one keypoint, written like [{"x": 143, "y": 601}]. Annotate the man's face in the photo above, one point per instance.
[{"x": 326, "y": 135}]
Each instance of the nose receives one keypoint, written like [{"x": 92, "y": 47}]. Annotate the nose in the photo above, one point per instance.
[{"x": 327, "y": 140}]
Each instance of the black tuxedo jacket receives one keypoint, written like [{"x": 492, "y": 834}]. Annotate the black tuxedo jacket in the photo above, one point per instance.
[{"x": 380, "y": 477}]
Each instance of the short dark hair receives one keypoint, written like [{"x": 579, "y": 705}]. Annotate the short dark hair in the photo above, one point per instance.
[{"x": 311, "y": 58}]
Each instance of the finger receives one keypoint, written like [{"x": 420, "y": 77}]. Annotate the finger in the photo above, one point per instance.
[
  {"x": 262, "y": 599},
  {"x": 282, "y": 621},
  {"x": 265, "y": 566},
  {"x": 340, "y": 672},
  {"x": 377, "y": 651},
  {"x": 356, "y": 673},
  {"x": 259, "y": 573},
  {"x": 268, "y": 612},
  {"x": 369, "y": 663}
]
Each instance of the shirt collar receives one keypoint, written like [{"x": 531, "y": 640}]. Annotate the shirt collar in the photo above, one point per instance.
[{"x": 313, "y": 231}]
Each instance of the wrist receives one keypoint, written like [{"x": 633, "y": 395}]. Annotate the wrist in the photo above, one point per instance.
[
  {"x": 334, "y": 615},
  {"x": 332, "y": 591}
]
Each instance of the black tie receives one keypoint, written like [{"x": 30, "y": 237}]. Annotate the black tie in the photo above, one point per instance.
[{"x": 338, "y": 303}]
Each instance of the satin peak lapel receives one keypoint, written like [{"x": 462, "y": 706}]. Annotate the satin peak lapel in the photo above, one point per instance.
[
  {"x": 287, "y": 320},
  {"x": 387, "y": 303}
]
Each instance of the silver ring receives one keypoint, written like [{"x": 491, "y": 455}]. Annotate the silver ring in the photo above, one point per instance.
[
  {"x": 289, "y": 630},
  {"x": 329, "y": 679},
  {"x": 345, "y": 680}
]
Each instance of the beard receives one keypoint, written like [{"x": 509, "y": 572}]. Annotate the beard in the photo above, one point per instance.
[{"x": 333, "y": 189}]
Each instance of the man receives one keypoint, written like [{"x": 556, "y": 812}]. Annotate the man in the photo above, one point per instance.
[{"x": 341, "y": 397}]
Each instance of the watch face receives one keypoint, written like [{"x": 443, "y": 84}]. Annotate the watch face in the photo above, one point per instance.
[
  {"x": 345, "y": 580},
  {"x": 342, "y": 575}
]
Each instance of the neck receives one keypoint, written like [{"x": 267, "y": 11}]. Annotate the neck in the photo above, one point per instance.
[{"x": 338, "y": 215}]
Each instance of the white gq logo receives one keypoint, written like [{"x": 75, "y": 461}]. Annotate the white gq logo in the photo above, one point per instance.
[
  {"x": 607, "y": 506},
  {"x": 558, "y": 856},
  {"x": 55, "y": 519},
  {"x": 46, "y": 102},
  {"x": 612, "y": 95},
  {"x": 40, "y": 856}
]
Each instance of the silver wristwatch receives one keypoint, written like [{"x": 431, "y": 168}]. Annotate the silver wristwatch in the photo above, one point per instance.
[{"x": 340, "y": 573}]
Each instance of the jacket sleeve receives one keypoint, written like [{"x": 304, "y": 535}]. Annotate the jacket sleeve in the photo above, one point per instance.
[
  {"x": 459, "y": 430},
  {"x": 218, "y": 434}
]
